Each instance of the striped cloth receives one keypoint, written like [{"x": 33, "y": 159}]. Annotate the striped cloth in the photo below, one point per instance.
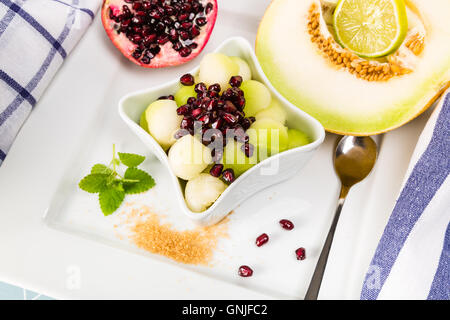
[
  {"x": 412, "y": 260},
  {"x": 35, "y": 38}
]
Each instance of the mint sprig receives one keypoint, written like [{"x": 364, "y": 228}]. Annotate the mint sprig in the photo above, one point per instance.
[{"x": 111, "y": 186}]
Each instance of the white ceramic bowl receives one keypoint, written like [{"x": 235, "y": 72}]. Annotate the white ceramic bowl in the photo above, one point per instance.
[{"x": 266, "y": 173}]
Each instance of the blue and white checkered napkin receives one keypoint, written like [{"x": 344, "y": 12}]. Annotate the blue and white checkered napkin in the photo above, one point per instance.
[
  {"x": 35, "y": 38},
  {"x": 412, "y": 260}
]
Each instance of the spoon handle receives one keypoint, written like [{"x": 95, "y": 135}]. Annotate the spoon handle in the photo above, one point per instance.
[{"x": 316, "y": 281}]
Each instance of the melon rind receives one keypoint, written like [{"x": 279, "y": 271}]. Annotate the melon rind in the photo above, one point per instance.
[{"x": 342, "y": 102}]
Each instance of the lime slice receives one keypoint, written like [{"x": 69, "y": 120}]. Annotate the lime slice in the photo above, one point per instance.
[{"x": 370, "y": 28}]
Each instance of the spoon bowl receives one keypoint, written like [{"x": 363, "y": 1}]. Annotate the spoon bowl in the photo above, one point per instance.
[{"x": 354, "y": 159}]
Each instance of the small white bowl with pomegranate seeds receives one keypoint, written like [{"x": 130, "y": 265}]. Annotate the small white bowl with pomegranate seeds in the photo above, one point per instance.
[{"x": 223, "y": 132}]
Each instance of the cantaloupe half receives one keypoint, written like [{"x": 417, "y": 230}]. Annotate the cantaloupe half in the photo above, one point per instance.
[{"x": 348, "y": 94}]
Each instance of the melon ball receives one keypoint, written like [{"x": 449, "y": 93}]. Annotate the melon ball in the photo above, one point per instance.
[
  {"x": 297, "y": 138},
  {"x": 234, "y": 158},
  {"x": 143, "y": 122},
  {"x": 268, "y": 136},
  {"x": 244, "y": 69},
  {"x": 275, "y": 112},
  {"x": 217, "y": 68},
  {"x": 163, "y": 121},
  {"x": 257, "y": 97},
  {"x": 202, "y": 191},
  {"x": 184, "y": 93},
  {"x": 188, "y": 157}
]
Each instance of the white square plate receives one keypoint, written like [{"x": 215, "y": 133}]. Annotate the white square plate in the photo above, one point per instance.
[{"x": 75, "y": 125}]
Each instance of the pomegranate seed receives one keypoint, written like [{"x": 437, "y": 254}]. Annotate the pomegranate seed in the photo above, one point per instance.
[
  {"x": 180, "y": 133},
  {"x": 245, "y": 271},
  {"x": 137, "y": 5},
  {"x": 246, "y": 123},
  {"x": 186, "y": 51},
  {"x": 217, "y": 124},
  {"x": 200, "y": 87},
  {"x": 216, "y": 170},
  {"x": 195, "y": 32},
  {"x": 229, "y": 107},
  {"x": 205, "y": 119},
  {"x": 191, "y": 100},
  {"x": 196, "y": 112},
  {"x": 183, "y": 16},
  {"x": 214, "y": 87},
  {"x": 211, "y": 105},
  {"x": 248, "y": 149},
  {"x": 187, "y": 79},
  {"x": 300, "y": 253},
  {"x": 228, "y": 117},
  {"x": 236, "y": 81},
  {"x": 262, "y": 239},
  {"x": 200, "y": 21},
  {"x": 186, "y": 25},
  {"x": 177, "y": 46},
  {"x": 186, "y": 123},
  {"x": 163, "y": 39},
  {"x": 136, "y": 38},
  {"x": 184, "y": 35},
  {"x": 209, "y": 7},
  {"x": 183, "y": 110},
  {"x": 146, "y": 5},
  {"x": 240, "y": 102},
  {"x": 228, "y": 175},
  {"x": 286, "y": 224}
]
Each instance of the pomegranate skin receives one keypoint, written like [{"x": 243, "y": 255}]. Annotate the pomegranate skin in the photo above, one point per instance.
[{"x": 166, "y": 56}]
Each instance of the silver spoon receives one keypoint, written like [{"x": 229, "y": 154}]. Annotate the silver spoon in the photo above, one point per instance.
[{"x": 354, "y": 158}]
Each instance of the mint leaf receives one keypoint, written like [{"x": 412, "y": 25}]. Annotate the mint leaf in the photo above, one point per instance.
[
  {"x": 94, "y": 183},
  {"x": 130, "y": 159},
  {"x": 144, "y": 181},
  {"x": 102, "y": 169},
  {"x": 111, "y": 199}
]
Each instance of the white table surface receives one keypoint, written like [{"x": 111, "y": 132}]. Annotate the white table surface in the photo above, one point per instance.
[{"x": 45, "y": 260}]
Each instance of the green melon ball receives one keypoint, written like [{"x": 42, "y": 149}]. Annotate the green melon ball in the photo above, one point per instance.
[
  {"x": 234, "y": 158},
  {"x": 269, "y": 136},
  {"x": 244, "y": 69},
  {"x": 143, "y": 122},
  {"x": 257, "y": 97},
  {"x": 217, "y": 68},
  {"x": 297, "y": 138},
  {"x": 163, "y": 121},
  {"x": 184, "y": 93},
  {"x": 275, "y": 112}
]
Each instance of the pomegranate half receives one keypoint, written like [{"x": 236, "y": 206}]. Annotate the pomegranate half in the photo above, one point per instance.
[{"x": 159, "y": 33}]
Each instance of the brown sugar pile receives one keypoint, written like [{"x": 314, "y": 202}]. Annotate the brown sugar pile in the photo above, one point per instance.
[{"x": 190, "y": 246}]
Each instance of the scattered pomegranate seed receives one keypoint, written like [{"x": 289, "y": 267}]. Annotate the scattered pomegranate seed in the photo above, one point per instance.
[
  {"x": 245, "y": 271},
  {"x": 262, "y": 239},
  {"x": 300, "y": 253},
  {"x": 187, "y": 79},
  {"x": 216, "y": 170},
  {"x": 228, "y": 175},
  {"x": 286, "y": 224}
]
